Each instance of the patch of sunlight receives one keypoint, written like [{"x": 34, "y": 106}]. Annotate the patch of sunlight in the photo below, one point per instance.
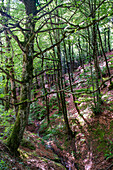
[
  {"x": 80, "y": 119},
  {"x": 88, "y": 161},
  {"x": 87, "y": 113},
  {"x": 107, "y": 97},
  {"x": 82, "y": 105}
]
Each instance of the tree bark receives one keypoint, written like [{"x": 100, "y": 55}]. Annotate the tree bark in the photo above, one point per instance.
[
  {"x": 96, "y": 64},
  {"x": 107, "y": 66},
  {"x": 16, "y": 136}
]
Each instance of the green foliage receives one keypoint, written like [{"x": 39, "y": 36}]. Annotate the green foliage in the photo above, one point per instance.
[
  {"x": 55, "y": 107},
  {"x": 53, "y": 131},
  {"x": 36, "y": 111},
  {"x": 2, "y": 84},
  {"x": 3, "y": 165},
  {"x": 97, "y": 108},
  {"x": 103, "y": 70},
  {"x": 43, "y": 126},
  {"x": 105, "y": 139},
  {"x": 53, "y": 100},
  {"x": 7, "y": 119},
  {"x": 43, "y": 40},
  {"x": 57, "y": 114}
]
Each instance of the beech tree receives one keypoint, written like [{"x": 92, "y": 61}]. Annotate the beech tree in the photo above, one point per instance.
[
  {"x": 28, "y": 34},
  {"x": 27, "y": 48}
]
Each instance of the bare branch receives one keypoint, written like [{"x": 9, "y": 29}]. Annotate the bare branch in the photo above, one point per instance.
[
  {"x": 17, "y": 40},
  {"x": 42, "y": 72},
  {"x": 49, "y": 48},
  {"x": 4, "y": 71},
  {"x": 6, "y": 15},
  {"x": 6, "y": 101}
]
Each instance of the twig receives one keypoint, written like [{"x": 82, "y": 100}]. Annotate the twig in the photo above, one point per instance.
[
  {"x": 109, "y": 167},
  {"x": 4, "y": 71}
]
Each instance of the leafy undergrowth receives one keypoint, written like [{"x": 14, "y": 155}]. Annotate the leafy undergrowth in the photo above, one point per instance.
[{"x": 47, "y": 148}]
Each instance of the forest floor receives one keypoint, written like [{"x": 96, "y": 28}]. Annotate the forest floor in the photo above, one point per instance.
[{"x": 53, "y": 150}]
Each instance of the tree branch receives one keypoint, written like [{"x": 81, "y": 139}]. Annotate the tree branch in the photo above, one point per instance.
[
  {"x": 6, "y": 15},
  {"x": 10, "y": 76},
  {"x": 6, "y": 101},
  {"x": 17, "y": 40},
  {"x": 45, "y": 71},
  {"x": 49, "y": 48}
]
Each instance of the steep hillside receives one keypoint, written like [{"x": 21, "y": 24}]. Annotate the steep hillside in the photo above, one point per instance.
[{"x": 47, "y": 148}]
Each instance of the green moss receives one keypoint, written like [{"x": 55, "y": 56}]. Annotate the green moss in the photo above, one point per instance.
[
  {"x": 13, "y": 140},
  {"x": 3, "y": 165},
  {"x": 23, "y": 154}
]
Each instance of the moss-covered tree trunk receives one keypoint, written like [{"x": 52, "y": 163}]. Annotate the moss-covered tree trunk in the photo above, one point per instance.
[
  {"x": 7, "y": 99},
  {"x": 96, "y": 62},
  {"x": 16, "y": 136}
]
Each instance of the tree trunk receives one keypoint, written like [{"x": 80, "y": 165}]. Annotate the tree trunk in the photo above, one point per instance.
[
  {"x": 96, "y": 64},
  {"x": 107, "y": 66},
  {"x": 109, "y": 44},
  {"x": 71, "y": 87},
  {"x": 91, "y": 68},
  {"x": 16, "y": 136},
  {"x": 105, "y": 44},
  {"x": 6, "y": 103},
  {"x": 55, "y": 76}
]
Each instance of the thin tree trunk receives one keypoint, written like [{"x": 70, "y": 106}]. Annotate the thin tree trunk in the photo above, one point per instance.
[
  {"x": 105, "y": 44},
  {"x": 46, "y": 97},
  {"x": 62, "y": 95},
  {"x": 80, "y": 54},
  {"x": 7, "y": 99},
  {"x": 70, "y": 82},
  {"x": 107, "y": 66},
  {"x": 92, "y": 76},
  {"x": 109, "y": 44},
  {"x": 13, "y": 84},
  {"x": 70, "y": 58},
  {"x": 54, "y": 56},
  {"x": 96, "y": 64},
  {"x": 45, "y": 90}
]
